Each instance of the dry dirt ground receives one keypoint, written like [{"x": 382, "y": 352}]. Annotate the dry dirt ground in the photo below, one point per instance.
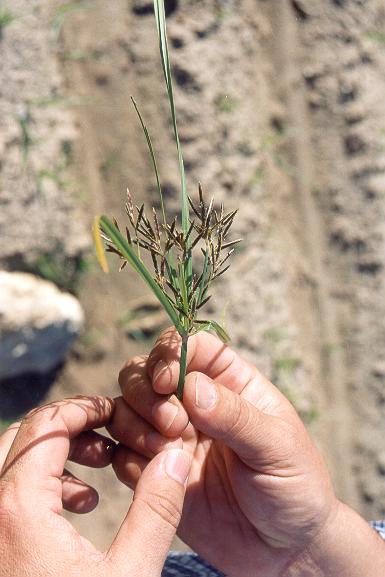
[{"x": 281, "y": 114}]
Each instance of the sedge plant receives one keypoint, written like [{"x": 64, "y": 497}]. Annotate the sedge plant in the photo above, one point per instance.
[{"x": 186, "y": 254}]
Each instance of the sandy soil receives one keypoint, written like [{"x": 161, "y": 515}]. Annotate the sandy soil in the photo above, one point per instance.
[{"x": 281, "y": 115}]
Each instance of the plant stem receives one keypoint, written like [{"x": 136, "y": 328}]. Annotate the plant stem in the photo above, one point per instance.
[{"x": 182, "y": 367}]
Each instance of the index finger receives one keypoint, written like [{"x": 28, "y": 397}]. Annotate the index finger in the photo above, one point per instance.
[
  {"x": 205, "y": 354},
  {"x": 41, "y": 446}
]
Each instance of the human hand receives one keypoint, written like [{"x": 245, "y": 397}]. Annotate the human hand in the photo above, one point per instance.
[
  {"x": 259, "y": 499},
  {"x": 34, "y": 537}
]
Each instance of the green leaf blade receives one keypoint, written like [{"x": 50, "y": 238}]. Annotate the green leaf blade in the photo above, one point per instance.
[
  {"x": 160, "y": 18},
  {"x": 153, "y": 158},
  {"x": 213, "y": 326},
  {"x": 137, "y": 264}
]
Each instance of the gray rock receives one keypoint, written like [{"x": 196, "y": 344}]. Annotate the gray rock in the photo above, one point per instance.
[{"x": 38, "y": 323}]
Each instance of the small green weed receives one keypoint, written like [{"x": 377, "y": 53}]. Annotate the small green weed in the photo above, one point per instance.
[
  {"x": 6, "y": 18},
  {"x": 81, "y": 55},
  {"x": 24, "y": 121},
  {"x": 274, "y": 335},
  {"x": 143, "y": 321},
  {"x": 63, "y": 12},
  {"x": 65, "y": 273},
  {"x": 219, "y": 10},
  {"x": 60, "y": 101},
  {"x": 110, "y": 163},
  {"x": 376, "y": 36},
  {"x": 225, "y": 103},
  {"x": 332, "y": 347},
  {"x": 270, "y": 147},
  {"x": 68, "y": 152},
  {"x": 287, "y": 364},
  {"x": 308, "y": 412},
  {"x": 139, "y": 336},
  {"x": 246, "y": 148},
  {"x": 258, "y": 176},
  {"x": 53, "y": 175},
  {"x": 91, "y": 338}
]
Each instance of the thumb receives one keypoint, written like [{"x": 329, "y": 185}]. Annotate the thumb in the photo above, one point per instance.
[
  {"x": 255, "y": 436},
  {"x": 146, "y": 534}
]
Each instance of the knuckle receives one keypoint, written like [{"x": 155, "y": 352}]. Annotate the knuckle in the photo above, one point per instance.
[
  {"x": 39, "y": 414},
  {"x": 35, "y": 421},
  {"x": 128, "y": 367},
  {"x": 241, "y": 420},
  {"x": 166, "y": 335},
  {"x": 167, "y": 345},
  {"x": 164, "y": 508},
  {"x": 169, "y": 340}
]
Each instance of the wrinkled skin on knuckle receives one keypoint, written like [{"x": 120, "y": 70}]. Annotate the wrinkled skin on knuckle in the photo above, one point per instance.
[
  {"x": 34, "y": 418},
  {"x": 240, "y": 421},
  {"x": 298, "y": 449},
  {"x": 168, "y": 341},
  {"x": 160, "y": 503},
  {"x": 129, "y": 366},
  {"x": 170, "y": 333}
]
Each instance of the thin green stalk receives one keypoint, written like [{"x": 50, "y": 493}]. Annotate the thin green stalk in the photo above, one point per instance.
[
  {"x": 163, "y": 48},
  {"x": 153, "y": 158},
  {"x": 182, "y": 367}
]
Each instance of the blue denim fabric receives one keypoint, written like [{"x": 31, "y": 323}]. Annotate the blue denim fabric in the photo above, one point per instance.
[
  {"x": 379, "y": 526},
  {"x": 188, "y": 565}
]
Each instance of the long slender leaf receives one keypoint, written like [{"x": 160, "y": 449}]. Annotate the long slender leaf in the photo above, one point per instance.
[
  {"x": 160, "y": 18},
  {"x": 212, "y": 326},
  {"x": 152, "y": 154},
  {"x": 222, "y": 334},
  {"x": 137, "y": 264}
]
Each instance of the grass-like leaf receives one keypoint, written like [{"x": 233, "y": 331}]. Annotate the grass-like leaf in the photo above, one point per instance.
[
  {"x": 160, "y": 18},
  {"x": 213, "y": 326},
  {"x": 153, "y": 158},
  {"x": 137, "y": 264}
]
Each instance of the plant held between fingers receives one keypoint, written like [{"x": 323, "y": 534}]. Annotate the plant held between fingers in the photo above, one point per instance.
[{"x": 186, "y": 257}]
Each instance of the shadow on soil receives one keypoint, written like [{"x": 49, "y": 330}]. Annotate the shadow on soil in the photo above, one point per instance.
[{"x": 20, "y": 394}]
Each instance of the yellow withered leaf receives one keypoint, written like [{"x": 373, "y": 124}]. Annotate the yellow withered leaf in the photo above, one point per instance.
[{"x": 99, "y": 248}]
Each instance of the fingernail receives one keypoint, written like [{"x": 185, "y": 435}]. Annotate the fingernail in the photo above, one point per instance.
[
  {"x": 177, "y": 465},
  {"x": 160, "y": 369},
  {"x": 165, "y": 414},
  {"x": 205, "y": 393}
]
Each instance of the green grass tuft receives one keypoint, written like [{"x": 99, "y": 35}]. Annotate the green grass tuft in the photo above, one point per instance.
[
  {"x": 225, "y": 103},
  {"x": 6, "y": 18}
]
